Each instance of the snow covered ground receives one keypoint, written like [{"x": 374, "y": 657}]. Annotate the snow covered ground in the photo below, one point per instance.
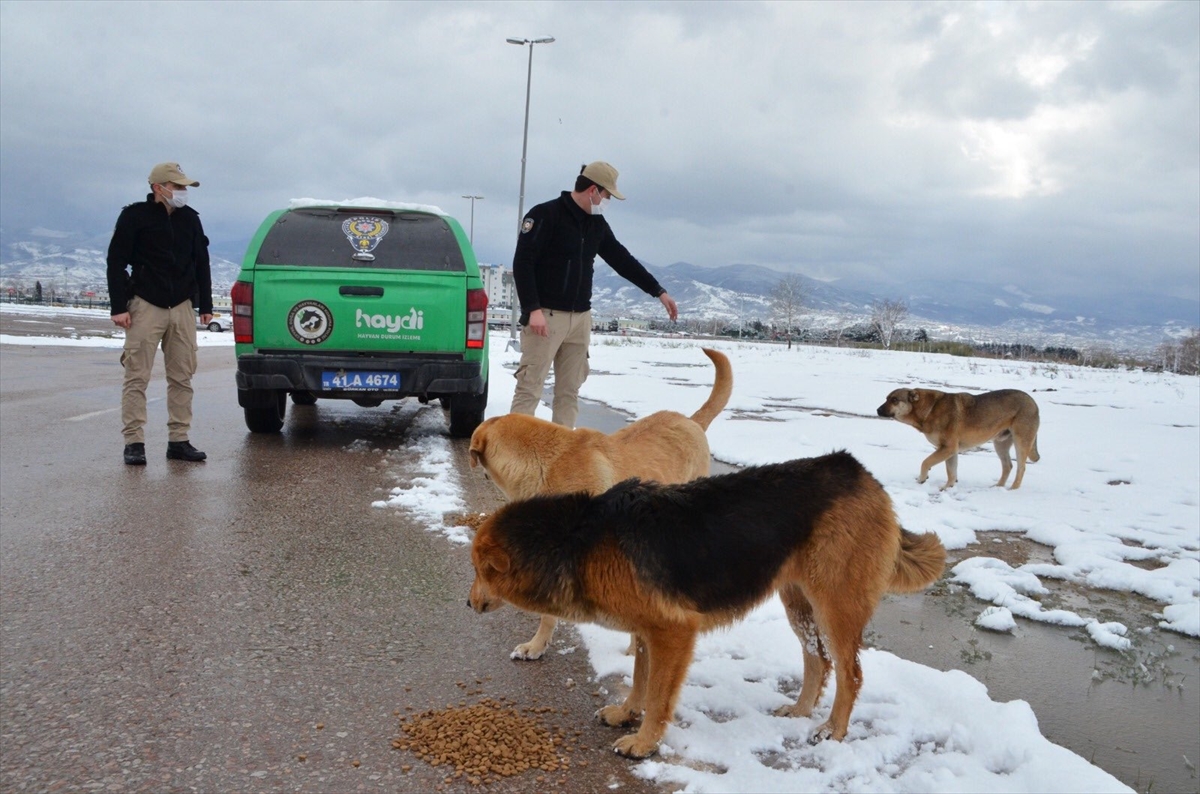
[{"x": 1116, "y": 496}]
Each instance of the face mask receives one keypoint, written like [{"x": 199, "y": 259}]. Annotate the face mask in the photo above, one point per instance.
[
  {"x": 177, "y": 199},
  {"x": 598, "y": 209}
]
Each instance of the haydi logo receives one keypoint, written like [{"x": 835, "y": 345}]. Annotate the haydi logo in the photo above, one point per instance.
[{"x": 394, "y": 323}]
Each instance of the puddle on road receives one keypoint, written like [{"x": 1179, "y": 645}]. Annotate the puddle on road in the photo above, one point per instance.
[{"x": 1133, "y": 714}]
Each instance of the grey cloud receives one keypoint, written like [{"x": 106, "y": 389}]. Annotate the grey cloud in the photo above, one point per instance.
[{"x": 825, "y": 136}]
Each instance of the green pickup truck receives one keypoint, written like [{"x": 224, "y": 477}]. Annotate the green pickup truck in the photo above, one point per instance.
[{"x": 365, "y": 301}]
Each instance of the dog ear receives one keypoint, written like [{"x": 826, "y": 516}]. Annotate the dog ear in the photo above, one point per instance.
[
  {"x": 912, "y": 395},
  {"x": 497, "y": 558},
  {"x": 478, "y": 445}
]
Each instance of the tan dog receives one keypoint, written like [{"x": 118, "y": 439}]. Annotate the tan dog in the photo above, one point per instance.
[
  {"x": 957, "y": 421},
  {"x": 667, "y": 562},
  {"x": 526, "y": 456}
]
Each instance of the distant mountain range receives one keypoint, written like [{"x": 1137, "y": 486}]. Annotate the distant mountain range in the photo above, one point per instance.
[
  {"x": 733, "y": 293},
  {"x": 946, "y": 310},
  {"x": 71, "y": 263}
]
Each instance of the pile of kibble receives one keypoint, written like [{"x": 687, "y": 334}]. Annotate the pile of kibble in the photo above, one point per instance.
[{"x": 483, "y": 742}]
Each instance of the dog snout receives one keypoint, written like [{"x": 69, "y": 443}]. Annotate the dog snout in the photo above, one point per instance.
[
  {"x": 883, "y": 410},
  {"x": 481, "y": 606},
  {"x": 482, "y": 599}
]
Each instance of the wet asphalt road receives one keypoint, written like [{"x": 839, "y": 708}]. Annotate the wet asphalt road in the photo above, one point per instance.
[{"x": 204, "y": 627}]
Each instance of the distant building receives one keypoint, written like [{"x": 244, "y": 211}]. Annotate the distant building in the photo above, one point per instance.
[
  {"x": 498, "y": 284},
  {"x": 630, "y": 324}
]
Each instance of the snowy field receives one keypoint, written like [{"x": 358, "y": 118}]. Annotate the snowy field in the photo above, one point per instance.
[{"x": 1116, "y": 496}]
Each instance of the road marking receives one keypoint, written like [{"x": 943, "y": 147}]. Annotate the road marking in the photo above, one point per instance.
[{"x": 81, "y": 417}]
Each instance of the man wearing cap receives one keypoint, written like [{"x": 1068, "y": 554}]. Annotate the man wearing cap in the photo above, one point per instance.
[
  {"x": 552, "y": 269},
  {"x": 162, "y": 242}
]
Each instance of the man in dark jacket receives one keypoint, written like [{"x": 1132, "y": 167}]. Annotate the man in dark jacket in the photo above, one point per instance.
[
  {"x": 162, "y": 242},
  {"x": 552, "y": 269}
]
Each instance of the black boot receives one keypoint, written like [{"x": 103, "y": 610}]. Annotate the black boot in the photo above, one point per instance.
[
  {"x": 183, "y": 450},
  {"x": 135, "y": 454}
]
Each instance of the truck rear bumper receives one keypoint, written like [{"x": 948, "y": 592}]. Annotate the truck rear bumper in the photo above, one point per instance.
[{"x": 418, "y": 377}]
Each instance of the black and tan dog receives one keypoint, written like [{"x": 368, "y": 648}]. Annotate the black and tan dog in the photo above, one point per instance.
[
  {"x": 526, "y": 456},
  {"x": 667, "y": 562},
  {"x": 954, "y": 421}
]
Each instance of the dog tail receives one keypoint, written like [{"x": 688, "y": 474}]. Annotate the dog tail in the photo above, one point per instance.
[
  {"x": 722, "y": 388},
  {"x": 920, "y": 562}
]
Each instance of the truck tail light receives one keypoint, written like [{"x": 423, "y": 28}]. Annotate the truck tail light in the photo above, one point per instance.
[
  {"x": 242, "y": 295},
  {"x": 476, "y": 318}
]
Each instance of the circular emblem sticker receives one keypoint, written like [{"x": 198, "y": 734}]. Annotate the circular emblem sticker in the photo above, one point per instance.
[
  {"x": 364, "y": 233},
  {"x": 310, "y": 322}
]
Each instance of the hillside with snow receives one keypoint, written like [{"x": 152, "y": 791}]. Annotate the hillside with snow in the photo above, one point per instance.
[{"x": 733, "y": 294}]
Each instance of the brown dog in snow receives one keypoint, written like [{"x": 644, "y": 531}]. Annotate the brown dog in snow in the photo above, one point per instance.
[
  {"x": 667, "y": 562},
  {"x": 957, "y": 421},
  {"x": 526, "y": 456}
]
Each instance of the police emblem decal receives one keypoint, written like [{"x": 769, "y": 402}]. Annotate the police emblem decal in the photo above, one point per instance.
[
  {"x": 310, "y": 322},
  {"x": 527, "y": 225},
  {"x": 364, "y": 233}
]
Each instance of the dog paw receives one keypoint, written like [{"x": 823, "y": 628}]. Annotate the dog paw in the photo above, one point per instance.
[
  {"x": 922, "y": 478},
  {"x": 793, "y": 710},
  {"x": 821, "y": 734},
  {"x": 527, "y": 651},
  {"x": 616, "y": 716},
  {"x": 632, "y": 746},
  {"x": 826, "y": 731}
]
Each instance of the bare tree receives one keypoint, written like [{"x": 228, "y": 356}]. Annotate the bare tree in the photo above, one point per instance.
[
  {"x": 1182, "y": 357},
  {"x": 886, "y": 316},
  {"x": 1167, "y": 356},
  {"x": 842, "y": 323},
  {"x": 1189, "y": 353},
  {"x": 787, "y": 299}
]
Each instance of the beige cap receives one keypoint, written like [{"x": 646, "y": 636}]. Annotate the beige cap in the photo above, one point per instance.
[
  {"x": 170, "y": 172},
  {"x": 603, "y": 175}
]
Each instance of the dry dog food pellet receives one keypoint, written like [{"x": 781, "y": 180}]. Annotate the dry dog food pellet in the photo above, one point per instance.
[{"x": 483, "y": 742}]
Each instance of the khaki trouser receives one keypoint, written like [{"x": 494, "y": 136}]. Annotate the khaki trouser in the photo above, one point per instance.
[
  {"x": 175, "y": 330},
  {"x": 566, "y": 348}
]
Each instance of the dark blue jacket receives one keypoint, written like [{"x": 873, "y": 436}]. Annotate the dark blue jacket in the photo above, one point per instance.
[
  {"x": 556, "y": 250},
  {"x": 168, "y": 254}
]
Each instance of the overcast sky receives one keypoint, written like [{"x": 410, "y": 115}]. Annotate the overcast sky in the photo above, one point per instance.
[{"x": 1051, "y": 146}]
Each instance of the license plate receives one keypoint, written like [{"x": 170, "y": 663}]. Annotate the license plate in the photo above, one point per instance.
[{"x": 359, "y": 380}]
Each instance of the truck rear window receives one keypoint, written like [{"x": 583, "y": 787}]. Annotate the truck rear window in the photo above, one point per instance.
[{"x": 377, "y": 239}]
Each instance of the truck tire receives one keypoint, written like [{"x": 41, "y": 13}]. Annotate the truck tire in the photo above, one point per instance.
[
  {"x": 264, "y": 409},
  {"x": 466, "y": 413}
]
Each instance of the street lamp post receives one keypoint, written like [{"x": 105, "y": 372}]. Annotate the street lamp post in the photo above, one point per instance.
[
  {"x": 472, "y": 198},
  {"x": 513, "y": 343}
]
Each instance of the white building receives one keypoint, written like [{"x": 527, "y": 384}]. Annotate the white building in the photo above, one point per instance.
[
  {"x": 499, "y": 289},
  {"x": 498, "y": 284}
]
